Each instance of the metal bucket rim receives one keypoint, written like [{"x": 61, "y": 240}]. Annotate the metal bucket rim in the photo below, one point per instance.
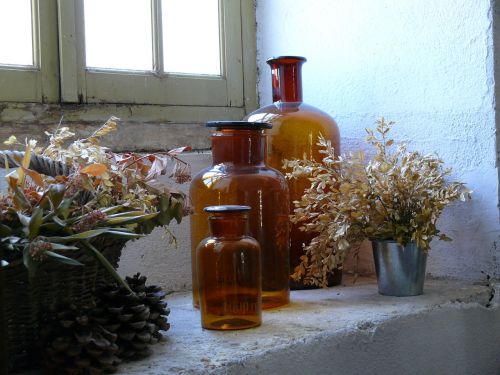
[{"x": 411, "y": 243}]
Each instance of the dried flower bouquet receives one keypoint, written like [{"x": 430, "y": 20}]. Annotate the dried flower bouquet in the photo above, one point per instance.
[
  {"x": 102, "y": 194},
  {"x": 397, "y": 195}
]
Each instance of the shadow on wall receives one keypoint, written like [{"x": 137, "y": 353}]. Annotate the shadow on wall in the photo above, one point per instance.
[{"x": 496, "y": 74}]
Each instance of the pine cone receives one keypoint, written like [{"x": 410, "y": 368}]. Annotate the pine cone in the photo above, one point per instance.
[
  {"x": 75, "y": 343},
  {"x": 138, "y": 318},
  {"x": 152, "y": 296}
]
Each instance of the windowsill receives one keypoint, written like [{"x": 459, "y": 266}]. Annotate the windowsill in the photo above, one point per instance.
[{"x": 338, "y": 328}]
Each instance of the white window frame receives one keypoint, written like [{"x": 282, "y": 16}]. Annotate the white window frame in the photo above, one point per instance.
[
  {"x": 38, "y": 83},
  {"x": 61, "y": 76}
]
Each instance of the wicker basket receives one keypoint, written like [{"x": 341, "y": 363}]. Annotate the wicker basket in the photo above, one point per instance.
[{"x": 25, "y": 304}]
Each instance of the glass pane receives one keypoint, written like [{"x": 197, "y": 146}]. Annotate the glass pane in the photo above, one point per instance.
[
  {"x": 16, "y": 45},
  {"x": 191, "y": 36},
  {"x": 118, "y": 34}
]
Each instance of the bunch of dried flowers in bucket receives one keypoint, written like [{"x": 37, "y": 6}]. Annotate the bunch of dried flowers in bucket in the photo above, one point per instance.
[{"x": 395, "y": 195}]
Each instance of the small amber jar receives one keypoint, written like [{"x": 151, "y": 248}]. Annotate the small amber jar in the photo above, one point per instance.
[{"x": 229, "y": 271}]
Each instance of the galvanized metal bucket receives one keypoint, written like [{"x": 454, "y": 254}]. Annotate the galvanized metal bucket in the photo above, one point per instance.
[{"x": 400, "y": 270}]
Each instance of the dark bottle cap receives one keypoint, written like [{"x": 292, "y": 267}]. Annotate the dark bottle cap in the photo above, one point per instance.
[
  {"x": 286, "y": 59},
  {"x": 244, "y": 125},
  {"x": 227, "y": 208}
]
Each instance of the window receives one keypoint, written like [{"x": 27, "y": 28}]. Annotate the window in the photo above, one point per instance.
[
  {"x": 163, "y": 52},
  {"x": 28, "y": 45}
]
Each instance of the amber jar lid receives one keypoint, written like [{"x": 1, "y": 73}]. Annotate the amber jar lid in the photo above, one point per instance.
[
  {"x": 245, "y": 125},
  {"x": 227, "y": 208}
]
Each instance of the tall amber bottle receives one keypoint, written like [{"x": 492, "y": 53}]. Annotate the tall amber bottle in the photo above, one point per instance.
[
  {"x": 295, "y": 131},
  {"x": 228, "y": 268},
  {"x": 239, "y": 176}
]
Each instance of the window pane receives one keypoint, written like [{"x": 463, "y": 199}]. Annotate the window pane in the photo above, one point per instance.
[
  {"x": 16, "y": 46},
  {"x": 191, "y": 36},
  {"x": 118, "y": 34}
]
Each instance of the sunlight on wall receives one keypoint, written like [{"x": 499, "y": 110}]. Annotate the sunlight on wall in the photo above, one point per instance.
[{"x": 428, "y": 65}]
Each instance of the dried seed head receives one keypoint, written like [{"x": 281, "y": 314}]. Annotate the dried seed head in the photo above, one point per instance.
[
  {"x": 74, "y": 185},
  {"x": 38, "y": 248},
  {"x": 89, "y": 221},
  {"x": 181, "y": 172}
]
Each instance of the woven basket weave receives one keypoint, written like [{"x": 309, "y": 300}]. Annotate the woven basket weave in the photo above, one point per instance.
[
  {"x": 25, "y": 304},
  {"x": 41, "y": 164}
]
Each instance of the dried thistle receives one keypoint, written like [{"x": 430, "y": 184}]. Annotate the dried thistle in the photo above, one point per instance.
[
  {"x": 38, "y": 250},
  {"x": 181, "y": 172},
  {"x": 89, "y": 221},
  {"x": 5, "y": 203},
  {"x": 74, "y": 184},
  {"x": 396, "y": 195}
]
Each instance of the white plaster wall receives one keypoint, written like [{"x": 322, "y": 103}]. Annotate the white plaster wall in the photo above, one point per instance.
[
  {"x": 426, "y": 64},
  {"x": 163, "y": 263}
]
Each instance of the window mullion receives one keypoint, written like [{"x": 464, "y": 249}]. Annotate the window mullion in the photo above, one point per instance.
[
  {"x": 48, "y": 58},
  {"x": 67, "y": 50},
  {"x": 71, "y": 49},
  {"x": 232, "y": 41},
  {"x": 157, "y": 31},
  {"x": 35, "y": 33}
]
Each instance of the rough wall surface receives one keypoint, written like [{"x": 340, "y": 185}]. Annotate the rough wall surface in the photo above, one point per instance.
[
  {"x": 141, "y": 127},
  {"x": 428, "y": 65}
]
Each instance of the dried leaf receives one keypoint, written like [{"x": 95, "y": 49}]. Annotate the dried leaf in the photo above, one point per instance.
[
  {"x": 35, "y": 176},
  {"x": 11, "y": 141},
  {"x": 95, "y": 170},
  {"x": 158, "y": 167},
  {"x": 108, "y": 127},
  {"x": 179, "y": 150}
]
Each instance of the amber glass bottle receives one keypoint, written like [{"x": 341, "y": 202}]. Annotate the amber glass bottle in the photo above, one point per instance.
[
  {"x": 239, "y": 176},
  {"x": 295, "y": 131},
  {"x": 229, "y": 272}
]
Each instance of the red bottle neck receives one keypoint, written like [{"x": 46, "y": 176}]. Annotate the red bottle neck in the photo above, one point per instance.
[
  {"x": 286, "y": 74},
  {"x": 242, "y": 147}
]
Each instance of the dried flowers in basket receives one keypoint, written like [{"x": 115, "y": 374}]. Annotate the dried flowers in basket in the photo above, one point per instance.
[
  {"x": 69, "y": 209},
  {"x": 395, "y": 195}
]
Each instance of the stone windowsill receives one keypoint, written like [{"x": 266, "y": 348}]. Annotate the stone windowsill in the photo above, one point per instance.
[{"x": 342, "y": 330}]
